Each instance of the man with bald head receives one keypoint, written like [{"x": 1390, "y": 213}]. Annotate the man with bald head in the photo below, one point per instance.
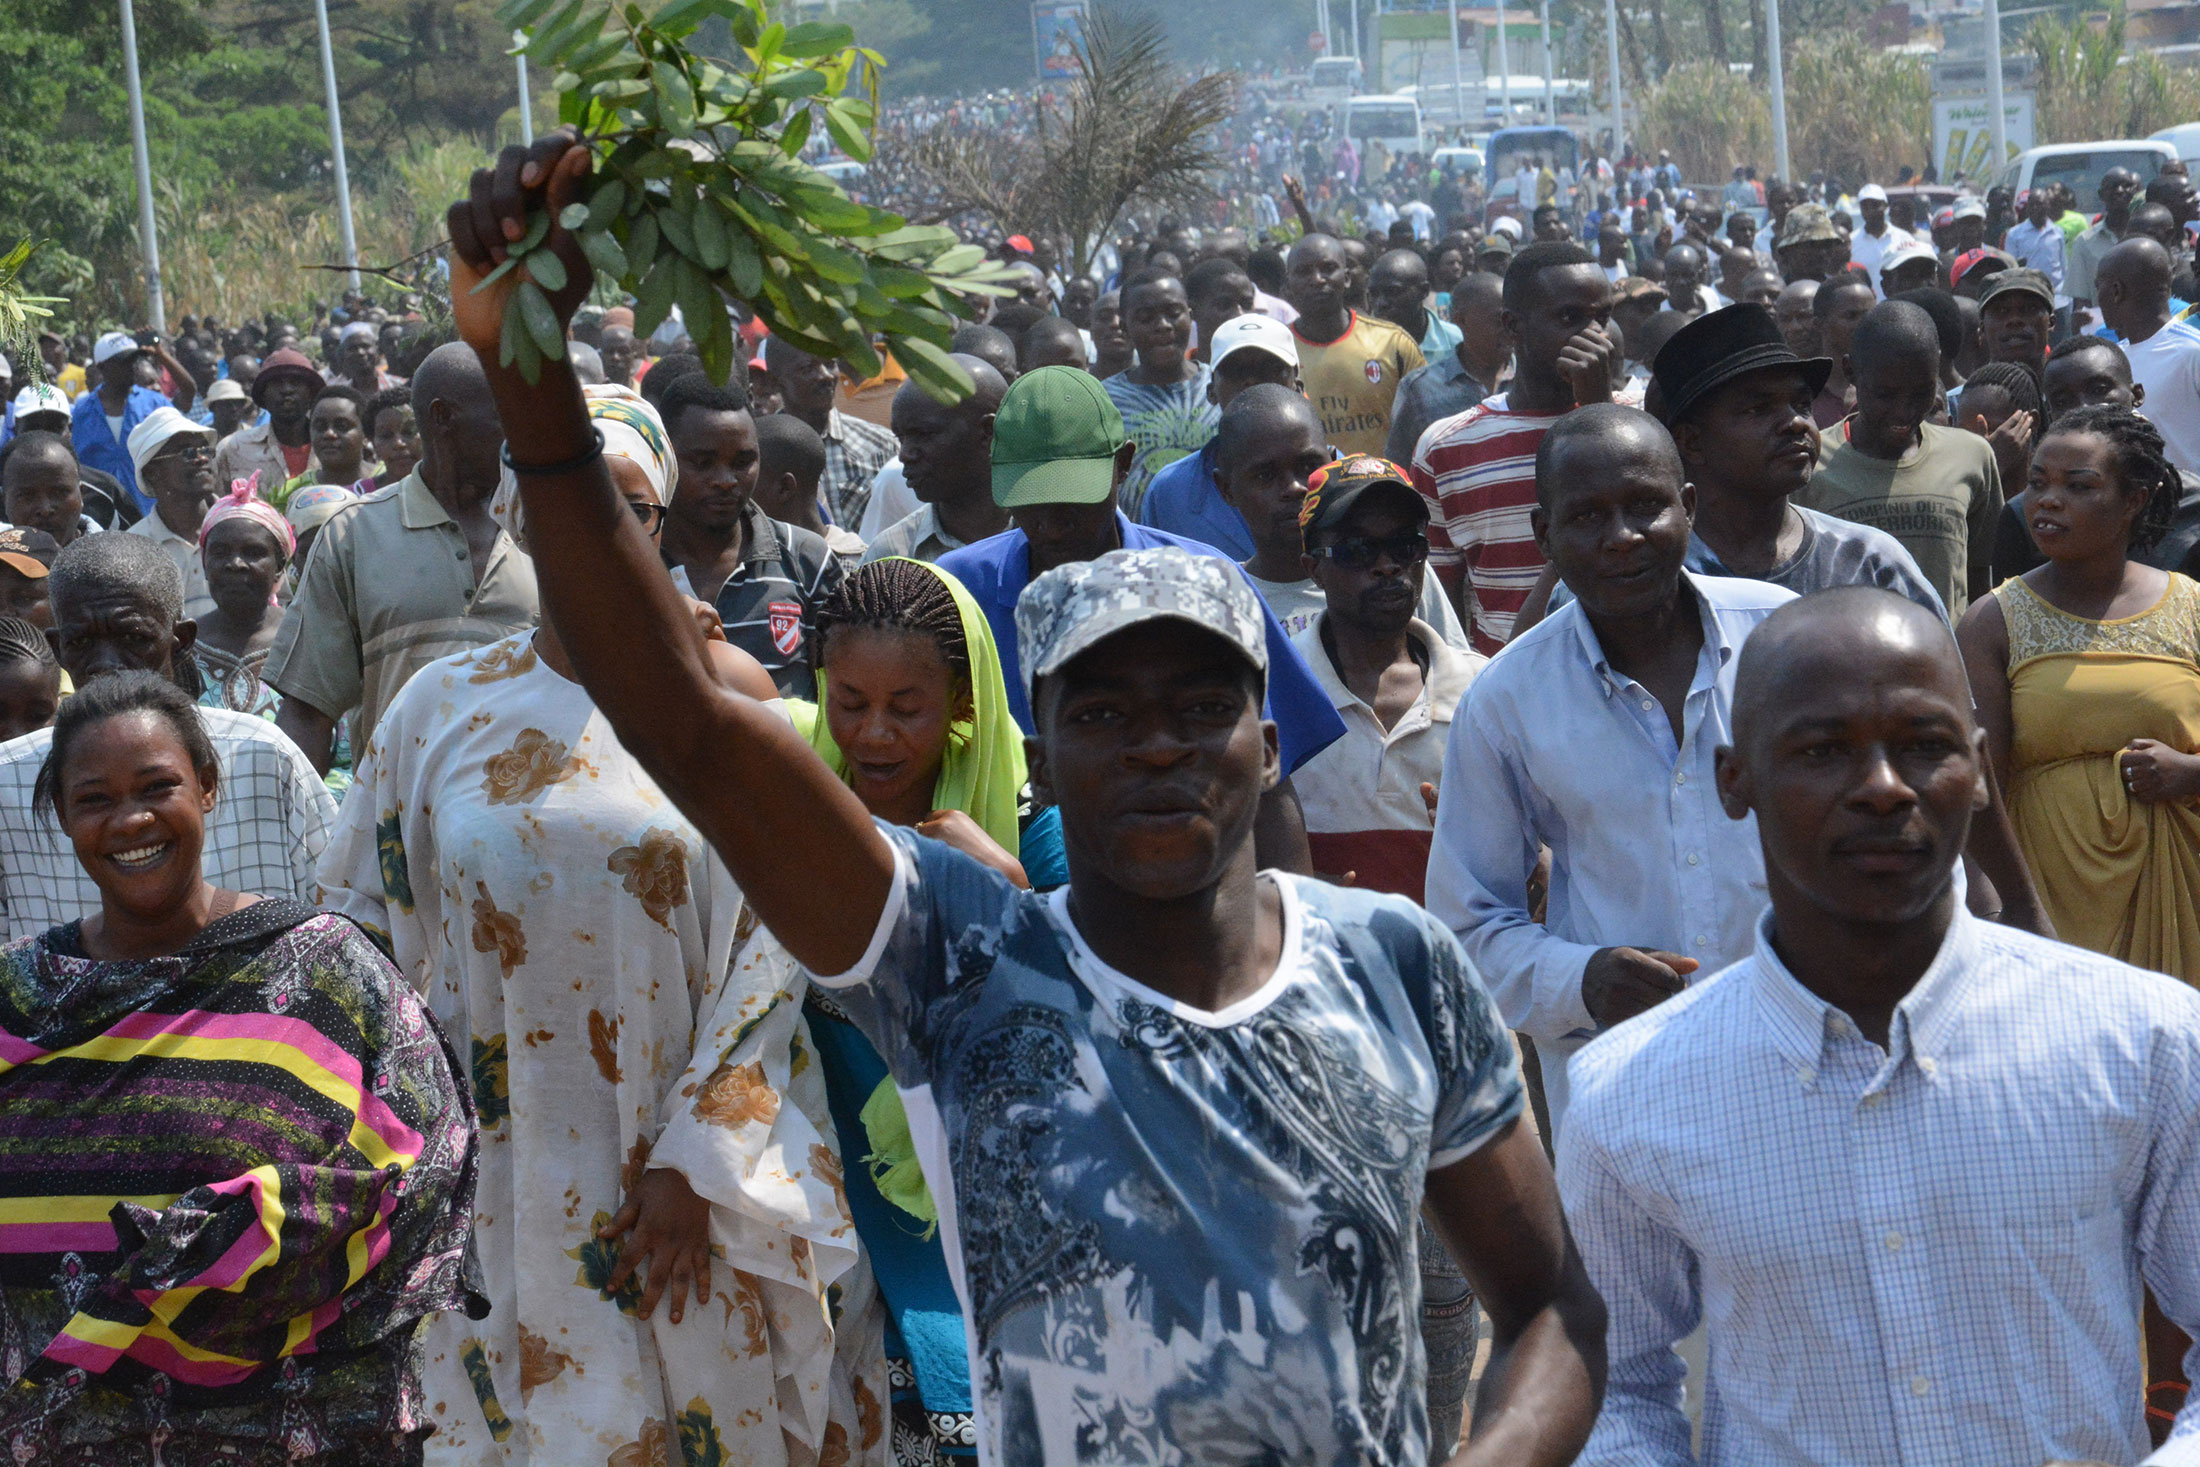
[
  {"x": 1685, "y": 288},
  {"x": 1455, "y": 380},
  {"x": 1648, "y": 885},
  {"x": 854, "y": 450},
  {"x": 947, "y": 457},
  {"x": 1052, "y": 341},
  {"x": 1909, "y": 1168},
  {"x": 1350, "y": 364},
  {"x": 415, "y": 571},
  {"x": 1398, "y": 292},
  {"x": 2133, "y": 286}
]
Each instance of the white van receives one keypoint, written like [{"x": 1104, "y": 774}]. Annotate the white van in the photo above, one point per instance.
[
  {"x": 1332, "y": 79},
  {"x": 2081, "y": 165},
  {"x": 1393, "y": 121},
  {"x": 2185, "y": 138}
]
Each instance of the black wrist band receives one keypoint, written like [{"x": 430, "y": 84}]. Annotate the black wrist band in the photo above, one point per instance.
[{"x": 572, "y": 465}]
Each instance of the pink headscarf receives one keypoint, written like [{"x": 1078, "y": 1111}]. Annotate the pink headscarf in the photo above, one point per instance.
[{"x": 243, "y": 499}]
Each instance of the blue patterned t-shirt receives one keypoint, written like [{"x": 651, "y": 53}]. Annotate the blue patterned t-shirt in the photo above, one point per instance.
[
  {"x": 1181, "y": 1237},
  {"x": 1166, "y": 423}
]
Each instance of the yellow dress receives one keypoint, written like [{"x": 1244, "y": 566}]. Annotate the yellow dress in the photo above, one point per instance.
[{"x": 2119, "y": 876}]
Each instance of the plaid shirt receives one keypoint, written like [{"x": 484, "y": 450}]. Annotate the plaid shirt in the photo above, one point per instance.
[
  {"x": 854, "y": 453},
  {"x": 270, "y": 823},
  {"x": 1919, "y": 1254}
]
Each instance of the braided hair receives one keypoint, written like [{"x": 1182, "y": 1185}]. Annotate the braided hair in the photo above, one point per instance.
[
  {"x": 2015, "y": 380},
  {"x": 896, "y": 595},
  {"x": 22, "y": 642},
  {"x": 2141, "y": 462}
]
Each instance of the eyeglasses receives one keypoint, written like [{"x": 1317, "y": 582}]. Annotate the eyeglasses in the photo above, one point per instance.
[
  {"x": 195, "y": 449},
  {"x": 1362, "y": 551},
  {"x": 651, "y": 515}
]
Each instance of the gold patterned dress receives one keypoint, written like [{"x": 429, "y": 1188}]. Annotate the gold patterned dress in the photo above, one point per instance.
[
  {"x": 2119, "y": 875},
  {"x": 576, "y": 934}
]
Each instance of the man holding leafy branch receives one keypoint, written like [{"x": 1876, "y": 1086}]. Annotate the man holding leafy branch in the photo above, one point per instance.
[{"x": 1178, "y": 1118}]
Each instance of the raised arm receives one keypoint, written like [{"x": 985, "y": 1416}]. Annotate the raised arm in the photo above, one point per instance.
[{"x": 796, "y": 839}]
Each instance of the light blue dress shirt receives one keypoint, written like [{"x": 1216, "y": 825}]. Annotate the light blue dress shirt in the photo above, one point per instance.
[
  {"x": 1927, "y": 1255},
  {"x": 1552, "y": 747}
]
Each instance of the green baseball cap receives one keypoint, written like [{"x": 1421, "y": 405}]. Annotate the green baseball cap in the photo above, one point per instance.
[{"x": 1055, "y": 439}]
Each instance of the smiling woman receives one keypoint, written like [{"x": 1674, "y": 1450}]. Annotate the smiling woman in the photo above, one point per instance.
[{"x": 183, "y": 1071}]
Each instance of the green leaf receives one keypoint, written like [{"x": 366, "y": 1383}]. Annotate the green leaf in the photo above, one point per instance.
[
  {"x": 653, "y": 299},
  {"x": 604, "y": 205},
  {"x": 818, "y": 38},
  {"x": 742, "y": 21},
  {"x": 710, "y": 236},
  {"x": 641, "y": 244},
  {"x": 930, "y": 366},
  {"x": 826, "y": 209},
  {"x": 959, "y": 259},
  {"x": 564, "y": 44},
  {"x": 538, "y": 39},
  {"x": 700, "y": 302},
  {"x": 526, "y": 355},
  {"x": 542, "y": 320},
  {"x": 744, "y": 265},
  {"x": 513, "y": 331},
  {"x": 546, "y": 269},
  {"x": 768, "y": 44},
  {"x": 574, "y": 215},
  {"x": 675, "y": 98},
  {"x": 797, "y": 133},
  {"x": 515, "y": 15},
  {"x": 687, "y": 13},
  {"x": 538, "y": 229},
  {"x": 511, "y": 263},
  {"x": 604, "y": 253},
  {"x": 678, "y": 232},
  {"x": 845, "y": 134},
  {"x": 657, "y": 163},
  {"x": 792, "y": 85},
  {"x": 915, "y": 243},
  {"x": 768, "y": 225},
  {"x": 623, "y": 89},
  {"x": 587, "y": 59},
  {"x": 835, "y": 263}
]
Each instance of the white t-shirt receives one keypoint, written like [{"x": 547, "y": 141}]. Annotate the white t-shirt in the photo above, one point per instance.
[
  {"x": 1868, "y": 249},
  {"x": 2167, "y": 365}
]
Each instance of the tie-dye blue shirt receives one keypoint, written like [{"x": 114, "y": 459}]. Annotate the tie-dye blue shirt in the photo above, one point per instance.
[
  {"x": 1166, "y": 423},
  {"x": 1182, "y": 1237}
]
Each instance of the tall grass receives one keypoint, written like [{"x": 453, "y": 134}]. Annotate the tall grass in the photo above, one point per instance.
[
  {"x": 2087, "y": 88},
  {"x": 1853, "y": 111}
]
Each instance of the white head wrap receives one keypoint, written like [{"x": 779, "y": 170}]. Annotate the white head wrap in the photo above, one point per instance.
[{"x": 631, "y": 430}]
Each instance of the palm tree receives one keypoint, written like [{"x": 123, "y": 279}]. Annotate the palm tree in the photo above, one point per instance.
[{"x": 1128, "y": 132}]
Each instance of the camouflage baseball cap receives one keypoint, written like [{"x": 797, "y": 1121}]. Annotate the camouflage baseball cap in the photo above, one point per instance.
[
  {"x": 1807, "y": 224},
  {"x": 1074, "y": 607}
]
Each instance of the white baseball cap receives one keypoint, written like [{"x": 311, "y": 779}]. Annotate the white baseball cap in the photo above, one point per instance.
[
  {"x": 1508, "y": 226},
  {"x": 41, "y": 397},
  {"x": 1971, "y": 207},
  {"x": 114, "y": 344},
  {"x": 1906, "y": 253},
  {"x": 1265, "y": 333},
  {"x": 227, "y": 389},
  {"x": 151, "y": 436},
  {"x": 1869, "y": 192}
]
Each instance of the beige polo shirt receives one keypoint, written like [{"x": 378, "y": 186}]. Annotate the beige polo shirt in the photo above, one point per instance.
[
  {"x": 255, "y": 450},
  {"x": 184, "y": 551},
  {"x": 387, "y": 589}
]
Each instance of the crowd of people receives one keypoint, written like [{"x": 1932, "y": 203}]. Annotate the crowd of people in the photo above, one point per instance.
[{"x": 1410, "y": 840}]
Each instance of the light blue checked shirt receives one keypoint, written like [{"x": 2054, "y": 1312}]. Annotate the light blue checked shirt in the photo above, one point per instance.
[
  {"x": 1551, "y": 746},
  {"x": 1929, "y": 1254}
]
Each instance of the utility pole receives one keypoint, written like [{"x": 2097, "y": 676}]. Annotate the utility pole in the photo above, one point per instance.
[
  {"x": 1994, "y": 108},
  {"x": 1458, "y": 85},
  {"x": 1504, "y": 67},
  {"x": 1779, "y": 91},
  {"x": 526, "y": 110},
  {"x": 148, "y": 235},
  {"x": 1550, "y": 94},
  {"x": 1611, "y": 46},
  {"x": 336, "y": 144}
]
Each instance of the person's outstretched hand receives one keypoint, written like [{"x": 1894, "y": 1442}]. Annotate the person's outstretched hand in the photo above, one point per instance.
[
  {"x": 493, "y": 217},
  {"x": 664, "y": 1224}
]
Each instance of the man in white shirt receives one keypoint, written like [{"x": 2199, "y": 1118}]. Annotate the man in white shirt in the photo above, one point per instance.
[
  {"x": 2133, "y": 285},
  {"x": 1869, "y": 245},
  {"x": 2037, "y": 242},
  {"x": 174, "y": 458},
  {"x": 1909, "y": 1169}
]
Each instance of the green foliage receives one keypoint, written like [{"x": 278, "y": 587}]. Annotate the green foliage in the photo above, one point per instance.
[
  {"x": 1708, "y": 118},
  {"x": 699, "y": 193},
  {"x": 22, "y": 314},
  {"x": 2086, "y": 88},
  {"x": 1854, "y": 111}
]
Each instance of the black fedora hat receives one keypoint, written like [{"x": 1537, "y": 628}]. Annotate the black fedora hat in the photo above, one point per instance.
[{"x": 1718, "y": 347}]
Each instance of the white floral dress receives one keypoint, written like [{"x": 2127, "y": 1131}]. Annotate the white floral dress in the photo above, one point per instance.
[{"x": 579, "y": 938}]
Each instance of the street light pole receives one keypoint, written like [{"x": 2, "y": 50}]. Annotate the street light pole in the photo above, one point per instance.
[
  {"x": 336, "y": 144},
  {"x": 1504, "y": 67},
  {"x": 148, "y": 236},
  {"x": 1611, "y": 46},
  {"x": 526, "y": 111},
  {"x": 1458, "y": 82},
  {"x": 1550, "y": 95},
  {"x": 1779, "y": 91},
  {"x": 2000, "y": 123}
]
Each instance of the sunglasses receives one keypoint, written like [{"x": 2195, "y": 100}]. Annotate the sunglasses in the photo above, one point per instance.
[
  {"x": 1362, "y": 551},
  {"x": 188, "y": 450},
  {"x": 651, "y": 515}
]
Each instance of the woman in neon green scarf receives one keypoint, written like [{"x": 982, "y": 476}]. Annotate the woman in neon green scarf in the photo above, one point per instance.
[{"x": 912, "y": 712}]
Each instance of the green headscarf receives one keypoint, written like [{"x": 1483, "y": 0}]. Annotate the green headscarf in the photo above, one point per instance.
[{"x": 983, "y": 776}]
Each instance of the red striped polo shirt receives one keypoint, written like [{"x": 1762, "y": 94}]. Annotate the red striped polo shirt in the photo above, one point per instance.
[{"x": 1477, "y": 471}]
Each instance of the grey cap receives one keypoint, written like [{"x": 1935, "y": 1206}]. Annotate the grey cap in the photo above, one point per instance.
[{"x": 1073, "y": 607}]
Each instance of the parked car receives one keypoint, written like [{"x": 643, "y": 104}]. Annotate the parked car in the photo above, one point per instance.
[
  {"x": 1466, "y": 162},
  {"x": 2185, "y": 138},
  {"x": 1509, "y": 148},
  {"x": 2081, "y": 165}
]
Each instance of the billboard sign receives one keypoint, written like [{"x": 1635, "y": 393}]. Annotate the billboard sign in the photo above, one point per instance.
[
  {"x": 1963, "y": 134},
  {"x": 1057, "y": 31}
]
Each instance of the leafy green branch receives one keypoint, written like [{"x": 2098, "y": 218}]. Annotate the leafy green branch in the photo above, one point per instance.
[
  {"x": 700, "y": 193},
  {"x": 21, "y": 312}
]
